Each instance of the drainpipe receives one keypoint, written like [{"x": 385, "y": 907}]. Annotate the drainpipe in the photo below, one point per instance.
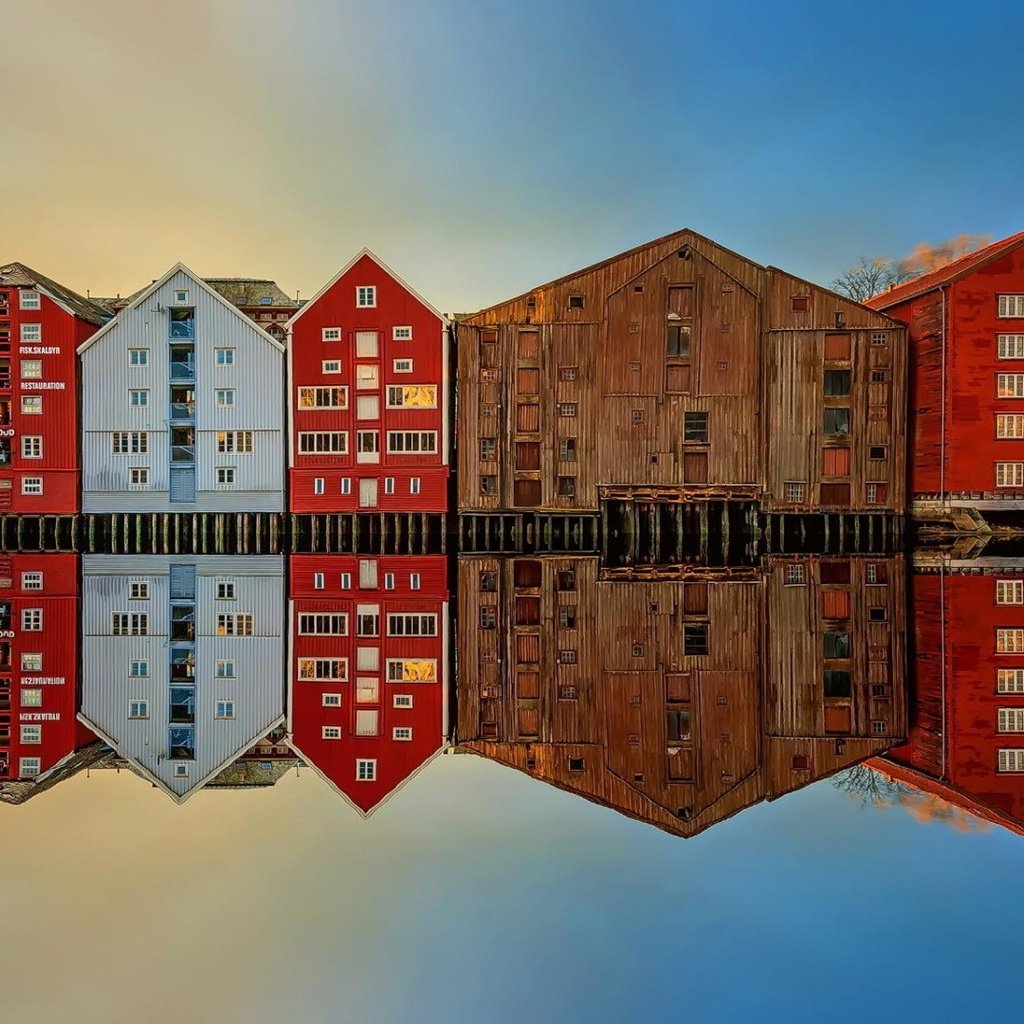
[
  {"x": 942, "y": 451},
  {"x": 942, "y": 676}
]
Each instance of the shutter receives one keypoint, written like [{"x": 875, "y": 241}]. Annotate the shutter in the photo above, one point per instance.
[
  {"x": 367, "y": 493},
  {"x": 837, "y": 346},
  {"x": 837, "y": 718},
  {"x": 527, "y": 418},
  {"x": 835, "y": 604},
  {"x": 528, "y": 381},
  {"x": 835, "y": 461},
  {"x": 695, "y": 467},
  {"x": 183, "y": 483},
  {"x": 183, "y": 582},
  {"x": 527, "y": 685}
]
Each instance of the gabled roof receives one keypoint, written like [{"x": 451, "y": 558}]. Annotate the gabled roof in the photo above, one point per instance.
[
  {"x": 251, "y": 291},
  {"x": 945, "y": 275},
  {"x": 307, "y": 304},
  {"x": 139, "y": 297},
  {"x": 78, "y": 305}
]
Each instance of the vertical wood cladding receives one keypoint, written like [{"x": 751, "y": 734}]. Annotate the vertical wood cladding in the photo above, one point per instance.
[{"x": 678, "y": 364}]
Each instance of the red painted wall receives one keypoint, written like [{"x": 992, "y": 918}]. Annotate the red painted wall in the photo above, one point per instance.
[
  {"x": 61, "y": 334},
  {"x": 396, "y": 306},
  {"x": 396, "y": 759},
  {"x": 57, "y": 642}
]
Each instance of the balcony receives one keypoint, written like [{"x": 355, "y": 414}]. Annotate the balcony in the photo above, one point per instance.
[
  {"x": 183, "y": 403},
  {"x": 183, "y": 625},
  {"x": 181, "y": 743},
  {"x": 183, "y": 705},
  {"x": 183, "y": 362},
  {"x": 183, "y": 667},
  {"x": 182, "y": 323}
]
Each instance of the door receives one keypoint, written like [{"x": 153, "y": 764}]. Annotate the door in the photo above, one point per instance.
[
  {"x": 678, "y": 378},
  {"x": 695, "y": 467},
  {"x": 368, "y": 493},
  {"x": 183, "y": 483}
]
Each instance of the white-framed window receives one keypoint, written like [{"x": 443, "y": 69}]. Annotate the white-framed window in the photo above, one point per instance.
[
  {"x": 138, "y": 668},
  {"x": 1010, "y": 680},
  {"x": 412, "y": 624},
  {"x": 1010, "y": 425},
  {"x": 346, "y": 581},
  {"x": 138, "y": 476},
  {"x": 235, "y": 624},
  {"x": 414, "y": 485},
  {"x": 318, "y": 581},
  {"x": 331, "y": 732},
  {"x": 402, "y": 365},
  {"x": 330, "y": 700},
  {"x": 138, "y": 709},
  {"x": 402, "y": 700},
  {"x": 1010, "y": 346},
  {"x": 1009, "y": 591},
  {"x": 368, "y": 446},
  {"x": 1010, "y": 385},
  {"x": 366, "y": 296},
  {"x": 181, "y": 297},
  {"x": 402, "y": 732},
  {"x": 367, "y": 376},
  {"x": 224, "y": 710},
  {"x": 1011, "y": 760},
  {"x": 1010, "y": 641},
  {"x": 332, "y": 442},
  {"x": 346, "y": 485},
  {"x": 138, "y": 590},
  {"x": 138, "y": 357},
  {"x": 32, "y": 620},
  {"x": 225, "y": 589},
  {"x": 225, "y": 398},
  {"x": 224, "y": 356},
  {"x": 323, "y": 398},
  {"x": 368, "y": 407},
  {"x": 31, "y": 485},
  {"x": 415, "y": 396},
  {"x": 129, "y": 442},
  {"x": 129, "y": 623},
  {"x": 31, "y": 446},
  {"x": 1009, "y": 474},
  {"x": 389, "y": 485},
  {"x": 323, "y": 670},
  {"x": 31, "y": 332},
  {"x": 181, "y": 770},
  {"x": 31, "y": 369},
  {"x": 29, "y": 299},
  {"x": 330, "y": 334},
  {"x": 226, "y": 476},
  {"x": 31, "y": 581},
  {"x": 795, "y": 492},
  {"x": 238, "y": 442},
  {"x": 366, "y": 770},
  {"x": 367, "y": 346},
  {"x": 138, "y": 397},
  {"x": 32, "y": 405},
  {"x": 1011, "y": 306},
  {"x": 389, "y": 581},
  {"x": 31, "y": 734},
  {"x": 32, "y": 661},
  {"x": 331, "y": 366},
  {"x": 323, "y": 624},
  {"x": 32, "y": 697},
  {"x": 29, "y": 767},
  {"x": 403, "y": 333},
  {"x": 224, "y": 668},
  {"x": 412, "y": 442},
  {"x": 318, "y": 485},
  {"x": 414, "y": 581},
  {"x": 368, "y": 659},
  {"x": 1010, "y": 720},
  {"x": 368, "y": 620}
]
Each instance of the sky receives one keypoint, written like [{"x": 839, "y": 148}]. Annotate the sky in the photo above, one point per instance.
[
  {"x": 478, "y": 893},
  {"x": 483, "y": 147}
]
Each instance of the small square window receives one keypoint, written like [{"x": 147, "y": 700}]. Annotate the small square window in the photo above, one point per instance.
[
  {"x": 366, "y": 296},
  {"x": 224, "y": 710},
  {"x": 32, "y": 405},
  {"x": 331, "y": 732},
  {"x": 138, "y": 590},
  {"x": 225, "y": 398},
  {"x": 366, "y": 770},
  {"x": 800, "y": 303},
  {"x": 331, "y": 366},
  {"x": 224, "y": 356},
  {"x": 402, "y": 700},
  {"x": 331, "y": 700},
  {"x": 28, "y": 299},
  {"x": 31, "y": 581},
  {"x": 879, "y": 338},
  {"x": 577, "y": 764},
  {"x": 330, "y": 334},
  {"x": 637, "y": 415},
  {"x": 795, "y": 574},
  {"x": 401, "y": 334},
  {"x": 32, "y": 697},
  {"x": 795, "y": 492},
  {"x": 695, "y": 639},
  {"x": 575, "y": 301},
  {"x": 29, "y": 767},
  {"x": 181, "y": 298},
  {"x": 181, "y": 770},
  {"x": 877, "y": 452},
  {"x": 401, "y": 732}
]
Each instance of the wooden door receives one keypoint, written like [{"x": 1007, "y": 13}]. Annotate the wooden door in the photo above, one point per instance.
[
  {"x": 695, "y": 467},
  {"x": 678, "y": 378},
  {"x": 367, "y": 493},
  {"x": 526, "y": 493}
]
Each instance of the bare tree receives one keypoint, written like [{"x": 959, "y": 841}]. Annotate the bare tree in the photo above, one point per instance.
[
  {"x": 869, "y": 277},
  {"x": 871, "y": 788}
]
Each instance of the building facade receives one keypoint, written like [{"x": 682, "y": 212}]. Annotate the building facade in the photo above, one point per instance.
[
  {"x": 183, "y": 407},
  {"x": 680, "y": 370},
  {"x": 369, "y": 669},
  {"x": 260, "y": 299},
  {"x": 368, "y": 394},
  {"x": 966, "y": 337},
  {"x": 42, "y": 323},
  {"x": 183, "y": 660},
  {"x": 38, "y": 665}
]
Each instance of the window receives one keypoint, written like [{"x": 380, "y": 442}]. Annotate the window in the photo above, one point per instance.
[
  {"x": 31, "y": 485},
  {"x": 138, "y": 590},
  {"x": 129, "y": 623},
  {"x": 877, "y": 574},
  {"x": 224, "y": 356},
  {"x": 1010, "y": 346},
  {"x": 1010, "y": 641},
  {"x": 334, "y": 442},
  {"x": 488, "y": 449},
  {"x": 1010, "y": 720},
  {"x": 32, "y": 620},
  {"x": 224, "y": 668},
  {"x": 1009, "y": 474},
  {"x": 181, "y": 770},
  {"x": 32, "y": 661},
  {"x": 225, "y": 398},
  {"x": 138, "y": 357},
  {"x": 565, "y": 580},
  {"x": 567, "y": 449},
  {"x": 1010, "y": 425},
  {"x": 795, "y": 574},
  {"x": 416, "y": 396},
  {"x": 138, "y": 709},
  {"x": 330, "y": 334},
  {"x": 366, "y": 295},
  {"x": 877, "y": 494},
  {"x": 412, "y": 442},
  {"x": 695, "y": 638},
  {"x": 28, "y": 299},
  {"x": 402, "y": 365},
  {"x": 488, "y": 582},
  {"x": 1010, "y": 385},
  {"x": 31, "y": 581},
  {"x": 29, "y": 767},
  {"x": 366, "y": 770},
  {"x": 412, "y": 670},
  {"x": 879, "y": 338},
  {"x": 795, "y": 492},
  {"x": 330, "y": 700},
  {"x": 32, "y": 734},
  {"x": 488, "y": 617},
  {"x": 225, "y": 709},
  {"x": 138, "y": 397},
  {"x": 31, "y": 332},
  {"x": 32, "y": 405},
  {"x": 837, "y": 383},
  {"x": 225, "y": 476},
  {"x": 567, "y": 373},
  {"x": 567, "y": 409},
  {"x": 318, "y": 581},
  {"x": 837, "y": 646},
  {"x": 31, "y": 369},
  {"x": 368, "y": 446},
  {"x": 234, "y": 442},
  {"x": 323, "y": 398},
  {"x": 575, "y": 301},
  {"x": 1010, "y": 680},
  {"x": 182, "y": 322},
  {"x": 225, "y": 590},
  {"x": 414, "y": 581},
  {"x": 1011, "y": 760},
  {"x": 32, "y": 698},
  {"x": 577, "y": 764},
  {"x": 677, "y": 340},
  {"x": 800, "y": 303},
  {"x": 129, "y": 442},
  {"x": 879, "y": 376},
  {"x": 368, "y": 620},
  {"x": 837, "y": 683},
  {"x": 1011, "y": 305},
  {"x": 326, "y": 624},
  {"x": 31, "y": 446},
  {"x": 368, "y": 407},
  {"x": 331, "y": 366},
  {"x": 322, "y": 670},
  {"x": 1009, "y": 591},
  {"x": 695, "y": 427},
  {"x": 414, "y": 485},
  {"x": 837, "y": 421},
  {"x": 637, "y": 415},
  {"x": 366, "y": 345},
  {"x": 401, "y": 732},
  {"x": 412, "y": 624},
  {"x": 401, "y": 334},
  {"x": 138, "y": 669},
  {"x": 238, "y": 624},
  {"x": 402, "y": 700},
  {"x": 331, "y": 732},
  {"x": 488, "y": 485},
  {"x": 346, "y": 485},
  {"x": 877, "y": 452}
]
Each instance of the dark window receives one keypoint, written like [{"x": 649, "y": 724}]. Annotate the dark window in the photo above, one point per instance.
[
  {"x": 835, "y": 572},
  {"x": 488, "y": 618},
  {"x": 837, "y": 684},
  {"x": 677, "y": 340},
  {"x": 576, "y": 764},
  {"x": 877, "y": 615},
  {"x": 566, "y": 486},
  {"x": 801, "y": 303},
  {"x": 695, "y": 426},
  {"x": 575, "y": 301},
  {"x": 531, "y": 302},
  {"x": 567, "y": 657},
  {"x": 638, "y": 287},
  {"x": 879, "y": 690},
  {"x": 488, "y": 449},
  {"x": 879, "y": 376},
  {"x": 837, "y": 421},
  {"x": 567, "y": 449},
  {"x": 526, "y": 573},
  {"x": 637, "y": 415},
  {"x": 638, "y": 650},
  {"x": 877, "y": 728},
  {"x": 837, "y": 382},
  {"x": 567, "y": 615},
  {"x": 566, "y": 579},
  {"x": 567, "y": 693},
  {"x": 677, "y": 724},
  {"x": 876, "y": 451},
  {"x": 837, "y": 646},
  {"x": 695, "y": 638},
  {"x": 489, "y": 582},
  {"x": 801, "y": 762},
  {"x": 183, "y": 322},
  {"x": 488, "y": 485},
  {"x": 567, "y": 409},
  {"x": 567, "y": 373}
]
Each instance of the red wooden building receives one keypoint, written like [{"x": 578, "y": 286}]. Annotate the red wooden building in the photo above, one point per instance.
[
  {"x": 38, "y": 664},
  {"x": 41, "y": 325},
  {"x": 368, "y": 396},
  {"x": 966, "y": 338},
  {"x": 368, "y": 669}
]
